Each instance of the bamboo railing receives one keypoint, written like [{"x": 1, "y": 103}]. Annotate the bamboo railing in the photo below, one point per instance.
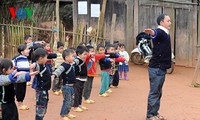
[{"x": 12, "y": 35}]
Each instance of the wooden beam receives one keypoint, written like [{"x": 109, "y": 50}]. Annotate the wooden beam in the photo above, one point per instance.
[
  {"x": 129, "y": 26},
  {"x": 193, "y": 41},
  {"x": 136, "y": 22},
  {"x": 112, "y": 28},
  {"x": 196, "y": 72}
]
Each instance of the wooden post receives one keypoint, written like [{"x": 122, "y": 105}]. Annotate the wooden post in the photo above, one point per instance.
[
  {"x": 197, "y": 69},
  {"x": 112, "y": 28},
  {"x": 57, "y": 19},
  {"x": 136, "y": 9},
  {"x": 129, "y": 26},
  {"x": 101, "y": 21},
  {"x": 75, "y": 19},
  {"x": 193, "y": 42}
]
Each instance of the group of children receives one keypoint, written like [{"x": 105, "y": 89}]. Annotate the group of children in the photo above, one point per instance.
[{"x": 72, "y": 75}]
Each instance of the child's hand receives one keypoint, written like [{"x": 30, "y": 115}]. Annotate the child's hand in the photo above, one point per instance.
[
  {"x": 32, "y": 66},
  {"x": 52, "y": 77},
  {"x": 19, "y": 73},
  {"x": 111, "y": 60},
  {"x": 108, "y": 55},
  {"x": 34, "y": 73}
]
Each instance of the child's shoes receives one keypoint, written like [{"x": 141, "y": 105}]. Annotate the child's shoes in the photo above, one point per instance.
[
  {"x": 56, "y": 93},
  {"x": 77, "y": 109},
  {"x": 83, "y": 108},
  {"x": 64, "y": 118},
  {"x": 23, "y": 107},
  {"x": 91, "y": 101},
  {"x": 125, "y": 77},
  {"x": 29, "y": 83},
  {"x": 87, "y": 101},
  {"x": 60, "y": 91},
  {"x": 103, "y": 95},
  {"x": 70, "y": 116},
  {"x": 109, "y": 91}
]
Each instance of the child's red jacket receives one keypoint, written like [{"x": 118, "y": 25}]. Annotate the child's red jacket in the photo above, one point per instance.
[{"x": 91, "y": 63}]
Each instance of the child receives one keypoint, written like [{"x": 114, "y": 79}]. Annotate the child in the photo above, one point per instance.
[
  {"x": 115, "y": 82},
  {"x": 91, "y": 60},
  {"x": 58, "y": 61},
  {"x": 123, "y": 66},
  {"x": 7, "y": 92},
  {"x": 21, "y": 63},
  {"x": 43, "y": 83},
  {"x": 81, "y": 77},
  {"x": 49, "y": 61},
  {"x": 67, "y": 71},
  {"x": 105, "y": 65}
]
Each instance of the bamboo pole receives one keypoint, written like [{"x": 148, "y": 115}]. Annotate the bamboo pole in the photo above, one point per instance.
[
  {"x": 11, "y": 46},
  {"x": 101, "y": 21},
  {"x": 3, "y": 39},
  {"x": 52, "y": 34},
  {"x": 57, "y": 18}
]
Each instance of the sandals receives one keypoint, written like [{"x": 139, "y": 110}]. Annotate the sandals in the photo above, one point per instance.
[
  {"x": 70, "y": 116},
  {"x": 77, "y": 109},
  {"x": 23, "y": 107},
  {"x": 160, "y": 117}
]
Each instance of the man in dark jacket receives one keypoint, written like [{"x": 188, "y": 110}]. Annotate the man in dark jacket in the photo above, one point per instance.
[{"x": 160, "y": 61}]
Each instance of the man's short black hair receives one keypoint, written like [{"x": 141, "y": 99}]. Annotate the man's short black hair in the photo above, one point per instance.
[
  {"x": 100, "y": 46},
  {"x": 89, "y": 47},
  {"x": 40, "y": 52},
  {"x": 21, "y": 48},
  {"x": 81, "y": 49},
  {"x": 67, "y": 52},
  {"x": 60, "y": 44},
  {"x": 160, "y": 18},
  {"x": 26, "y": 37}
]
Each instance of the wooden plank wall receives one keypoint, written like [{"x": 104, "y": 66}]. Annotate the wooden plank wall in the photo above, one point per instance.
[
  {"x": 181, "y": 33},
  {"x": 183, "y": 43},
  {"x": 119, "y": 29}
]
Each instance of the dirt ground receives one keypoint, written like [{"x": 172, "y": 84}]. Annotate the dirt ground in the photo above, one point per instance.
[{"x": 129, "y": 101}]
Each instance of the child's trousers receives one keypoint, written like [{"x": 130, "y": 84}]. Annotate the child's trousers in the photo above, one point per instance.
[
  {"x": 105, "y": 81},
  {"x": 68, "y": 99},
  {"x": 116, "y": 78},
  {"x": 20, "y": 89},
  {"x": 88, "y": 87},
  {"x": 78, "y": 90},
  {"x": 9, "y": 111},
  {"x": 42, "y": 98}
]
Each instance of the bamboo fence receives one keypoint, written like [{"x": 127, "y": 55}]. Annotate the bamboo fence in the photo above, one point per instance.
[{"x": 11, "y": 36}]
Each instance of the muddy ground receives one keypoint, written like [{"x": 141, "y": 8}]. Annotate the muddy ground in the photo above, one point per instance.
[{"x": 129, "y": 101}]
